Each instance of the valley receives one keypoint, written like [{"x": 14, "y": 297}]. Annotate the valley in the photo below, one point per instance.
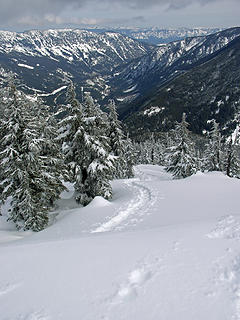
[{"x": 138, "y": 75}]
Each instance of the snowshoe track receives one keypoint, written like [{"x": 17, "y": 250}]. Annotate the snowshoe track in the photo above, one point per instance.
[{"x": 134, "y": 212}]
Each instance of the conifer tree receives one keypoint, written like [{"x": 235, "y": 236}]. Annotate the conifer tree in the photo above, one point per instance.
[
  {"x": 129, "y": 159},
  {"x": 181, "y": 158},
  {"x": 98, "y": 164},
  {"x": 117, "y": 140},
  {"x": 71, "y": 132},
  {"x": 213, "y": 155},
  {"x": 232, "y": 162},
  {"x": 29, "y": 181},
  {"x": 138, "y": 153},
  {"x": 86, "y": 148},
  {"x": 156, "y": 150},
  {"x": 120, "y": 145},
  {"x": 51, "y": 153}
]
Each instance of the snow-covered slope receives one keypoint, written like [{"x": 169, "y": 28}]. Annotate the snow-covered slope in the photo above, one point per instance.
[
  {"x": 161, "y": 249},
  {"x": 70, "y": 44}
]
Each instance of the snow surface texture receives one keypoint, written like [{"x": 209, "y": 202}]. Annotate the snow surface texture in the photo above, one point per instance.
[{"x": 162, "y": 249}]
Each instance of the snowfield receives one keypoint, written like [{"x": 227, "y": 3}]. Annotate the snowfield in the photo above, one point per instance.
[{"x": 161, "y": 249}]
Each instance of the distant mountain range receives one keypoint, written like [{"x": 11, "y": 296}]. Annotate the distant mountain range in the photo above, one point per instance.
[
  {"x": 145, "y": 77},
  {"x": 151, "y": 84},
  {"x": 158, "y": 36},
  {"x": 44, "y": 61}
]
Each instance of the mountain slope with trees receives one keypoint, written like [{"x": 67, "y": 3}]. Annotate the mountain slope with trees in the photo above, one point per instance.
[
  {"x": 45, "y": 60},
  {"x": 152, "y": 86},
  {"x": 207, "y": 91}
]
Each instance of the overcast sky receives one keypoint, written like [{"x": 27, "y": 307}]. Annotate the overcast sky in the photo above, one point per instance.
[{"x": 20, "y": 15}]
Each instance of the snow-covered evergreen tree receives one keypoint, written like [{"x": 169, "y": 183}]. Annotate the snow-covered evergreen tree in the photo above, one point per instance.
[
  {"x": 87, "y": 148},
  {"x": 232, "y": 161},
  {"x": 29, "y": 180},
  {"x": 181, "y": 158},
  {"x": 117, "y": 140},
  {"x": 129, "y": 159},
  {"x": 120, "y": 145},
  {"x": 71, "y": 131},
  {"x": 55, "y": 170},
  {"x": 213, "y": 155},
  {"x": 98, "y": 164}
]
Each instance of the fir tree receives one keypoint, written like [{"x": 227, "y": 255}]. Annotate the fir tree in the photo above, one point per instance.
[
  {"x": 71, "y": 131},
  {"x": 232, "y": 163},
  {"x": 213, "y": 155},
  {"x": 98, "y": 164},
  {"x": 120, "y": 145},
  {"x": 117, "y": 139},
  {"x": 29, "y": 181},
  {"x": 51, "y": 154},
  {"x": 181, "y": 158},
  {"x": 86, "y": 148},
  {"x": 129, "y": 159}
]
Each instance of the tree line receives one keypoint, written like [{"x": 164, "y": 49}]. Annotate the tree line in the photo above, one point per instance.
[{"x": 178, "y": 153}]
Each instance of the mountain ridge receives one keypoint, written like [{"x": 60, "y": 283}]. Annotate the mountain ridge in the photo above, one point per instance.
[
  {"x": 109, "y": 65},
  {"x": 46, "y": 60},
  {"x": 208, "y": 91}
]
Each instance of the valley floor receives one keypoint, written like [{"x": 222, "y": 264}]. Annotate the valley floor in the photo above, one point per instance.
[{"x": 161, "y": 249}]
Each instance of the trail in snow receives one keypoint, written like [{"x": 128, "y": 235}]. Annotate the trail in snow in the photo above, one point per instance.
[{"x": 144, "y": 197}]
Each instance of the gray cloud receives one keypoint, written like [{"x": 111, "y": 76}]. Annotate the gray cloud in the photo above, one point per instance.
[
  {"x": 18, "y": 8},
  {"x": 34, "y": 13}
]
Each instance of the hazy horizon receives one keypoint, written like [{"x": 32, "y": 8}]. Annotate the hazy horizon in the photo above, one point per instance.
[{"x": 26, "y": 15}]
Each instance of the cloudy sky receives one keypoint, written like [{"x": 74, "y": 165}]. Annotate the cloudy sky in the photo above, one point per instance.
[{"x": 20, "y": 15}]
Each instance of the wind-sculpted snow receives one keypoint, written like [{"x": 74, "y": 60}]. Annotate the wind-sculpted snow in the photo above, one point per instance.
[{"x": 160, "y": 249}]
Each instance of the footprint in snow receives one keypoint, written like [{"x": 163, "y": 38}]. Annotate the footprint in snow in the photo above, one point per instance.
[
  {"x": 8, "y": 287},
  {"x": 129, "y": 290},
  {"x": 227, "y": 227},
  {"x": 176, "y": 245},
  {"x": 38, "y": 315}
]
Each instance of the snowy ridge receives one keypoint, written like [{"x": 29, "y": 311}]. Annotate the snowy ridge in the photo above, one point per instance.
[
  {"x": 181, "y": 53},
  {"x": 69, "y": 44},
  {"x": 157, "y": 35},
  {"x": 45, "y": 60},
  {"x": 109, "y": 63}
]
